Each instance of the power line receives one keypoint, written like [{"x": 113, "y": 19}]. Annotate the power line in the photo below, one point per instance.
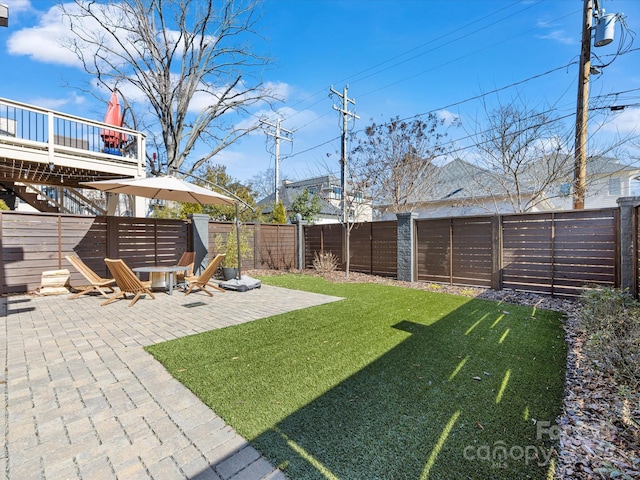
[
  {"x": 461, "y": 102},
  {"x": 277, "y": 134},
  {"x": 354, "y": 78},
  {"x": 346, "y": 114}
]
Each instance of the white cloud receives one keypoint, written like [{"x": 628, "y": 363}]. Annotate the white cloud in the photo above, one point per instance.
[
  {"x": 48, "y": 40},
  {"x": 550, "y": 31},
  {"x": 626, "y": 122},
  {"x": 560, "y": 36},
  {"x": 58, "y": 103},
  {"x": 43, "y": 42},
  {"x": 448, "y": 117},
  {"x": 17, "y": 6}
]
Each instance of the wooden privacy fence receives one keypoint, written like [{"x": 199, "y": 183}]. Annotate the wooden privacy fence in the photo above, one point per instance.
[
  {"x": 556, "y": 253},
  {"x": 560, "y": 253},
  {"x": 373, "y": 246},
  {"x": 272, "y": 246},
  {"x": 36, "y": 242}
]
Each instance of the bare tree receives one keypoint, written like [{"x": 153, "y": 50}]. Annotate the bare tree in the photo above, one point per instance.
[
  {"x": 397, "y": 159},
  {"x": 356, "y": 202},
  {"x": 176, "y": 55},
  {"x": 262, "y": 183},
  {"x": 525, "y": 156}
]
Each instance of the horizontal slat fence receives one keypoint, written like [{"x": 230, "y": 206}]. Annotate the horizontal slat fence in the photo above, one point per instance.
[
  {"x": 273, "y": 246},
  {"x": 277, "y": 247},
  {"x": 560, "y": 253},
  {"x": 373, "y": 246},
  {"x": 36, "y": 242},
  {"x": 223, "y": 229},
  {"x": 455, "y": 250},
  {"x": 555, "y": 253},
  {"x": 326, "y": 238}
]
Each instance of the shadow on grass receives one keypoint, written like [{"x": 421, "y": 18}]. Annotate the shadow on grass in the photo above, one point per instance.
[{"x": 463, "y": 408}]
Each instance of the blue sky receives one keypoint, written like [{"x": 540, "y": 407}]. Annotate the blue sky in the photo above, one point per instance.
[{"x": 399, "y": 58}]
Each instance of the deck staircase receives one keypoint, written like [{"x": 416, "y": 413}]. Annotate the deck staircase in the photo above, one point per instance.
[
  {"x": 75, "y": 202},
  {"x": 28, "y": 195},
  {"x": 47, "y": 156}
]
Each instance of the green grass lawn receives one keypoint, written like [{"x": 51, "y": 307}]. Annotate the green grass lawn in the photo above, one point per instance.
[{"x": 390, "y": 383}]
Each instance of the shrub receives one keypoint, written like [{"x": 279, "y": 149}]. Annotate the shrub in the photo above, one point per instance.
[
  {"x": 611, "y": 320},
  {"x": 228, "y": 244},
  {"x": 325, "y": 262}
]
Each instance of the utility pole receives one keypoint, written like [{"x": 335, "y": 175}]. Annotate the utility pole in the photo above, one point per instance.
[
  {"x": 278, "y": 136},
  {"x": 582, "y": 110},
  {"x": 343, "y": 159}
]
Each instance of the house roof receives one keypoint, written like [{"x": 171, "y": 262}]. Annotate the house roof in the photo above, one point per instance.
[
  {"x": 601, "y": 165},
  {"x": 459, "y": 179},
  {"x": 454, "y": 181}
]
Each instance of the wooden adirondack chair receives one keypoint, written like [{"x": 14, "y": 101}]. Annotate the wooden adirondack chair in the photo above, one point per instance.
[
  {"x": 96, "y": 282},
  {"x": 186, "y": 260},
  {"x": 126, "y": 281},
  {"x": 203, "y": 280}
]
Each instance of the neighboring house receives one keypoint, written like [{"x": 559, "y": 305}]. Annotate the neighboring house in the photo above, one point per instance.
[
  {"x": 327, "y": 187},
  {"x": 457, "y": 193},
  {"x": 607, "y": 180}
]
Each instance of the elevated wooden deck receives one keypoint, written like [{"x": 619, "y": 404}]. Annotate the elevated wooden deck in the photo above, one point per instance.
[{"x": 44, "y": 147}]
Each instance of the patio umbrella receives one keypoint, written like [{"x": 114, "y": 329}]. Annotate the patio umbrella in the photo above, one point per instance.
[
  {"x": 111, "y": 138},
  {"x": 162, "y": 188}
]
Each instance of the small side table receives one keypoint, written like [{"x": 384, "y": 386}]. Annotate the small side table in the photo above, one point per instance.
[{"x": 169, "y": 272}]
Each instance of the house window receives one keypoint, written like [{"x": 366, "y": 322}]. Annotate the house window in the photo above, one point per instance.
[
  {"x": 614, "y": 186},
  {"x": 565, "y": 189},
  {"x": 336, "y": 193}
]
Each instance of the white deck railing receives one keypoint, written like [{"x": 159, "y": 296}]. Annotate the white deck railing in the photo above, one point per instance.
[{"x": 31, "y": 133}]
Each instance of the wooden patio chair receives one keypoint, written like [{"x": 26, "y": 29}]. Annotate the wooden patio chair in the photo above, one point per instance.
[
  {"x": 96, "y": 282},
  {"x": 126, "y": 281},
  {"x": 186, "y": 260},
  {"x": 202, "y": 281}
]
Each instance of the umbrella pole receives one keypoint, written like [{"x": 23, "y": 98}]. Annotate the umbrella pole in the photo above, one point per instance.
[{"x": 239, "y": 246}]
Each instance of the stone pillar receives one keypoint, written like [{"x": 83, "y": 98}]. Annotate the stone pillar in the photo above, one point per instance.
[
  {"x": 200, "y": 239},
  {"x": 627, "y": 274},
  {"x": 406, "y": 244}
]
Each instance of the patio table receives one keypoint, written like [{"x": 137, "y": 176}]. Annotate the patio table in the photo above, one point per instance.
[{"x": 161, "y": 274}]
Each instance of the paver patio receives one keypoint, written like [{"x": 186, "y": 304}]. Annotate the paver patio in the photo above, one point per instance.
[{"x": 84, "y": 400}]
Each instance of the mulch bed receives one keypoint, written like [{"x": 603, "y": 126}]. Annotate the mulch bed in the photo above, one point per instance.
[{"x": 598, "y": 438}]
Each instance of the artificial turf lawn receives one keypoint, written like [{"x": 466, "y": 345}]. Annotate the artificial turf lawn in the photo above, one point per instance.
[{"x": 388, "y": 383}]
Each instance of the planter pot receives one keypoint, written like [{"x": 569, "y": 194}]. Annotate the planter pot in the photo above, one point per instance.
[{"x": 229, "y": 273}]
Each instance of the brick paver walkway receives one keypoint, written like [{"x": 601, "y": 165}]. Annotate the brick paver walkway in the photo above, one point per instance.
[{"x": 84, "y": 400}]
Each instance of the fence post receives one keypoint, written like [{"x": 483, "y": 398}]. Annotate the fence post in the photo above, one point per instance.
[
  {"x": 200, "y": 238},
  {"x": 257, "y": 242},
  {"x": 406, "y": 250},
  {"x": 299, "y": 240},
  {"x": 627, "y": 253},
  {"x": 496, "y": 252}
]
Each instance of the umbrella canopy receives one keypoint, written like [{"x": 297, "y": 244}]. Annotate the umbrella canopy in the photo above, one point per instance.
[
  {"x": 162, "y": 188},
  {"x": 113, "y": 116}
]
